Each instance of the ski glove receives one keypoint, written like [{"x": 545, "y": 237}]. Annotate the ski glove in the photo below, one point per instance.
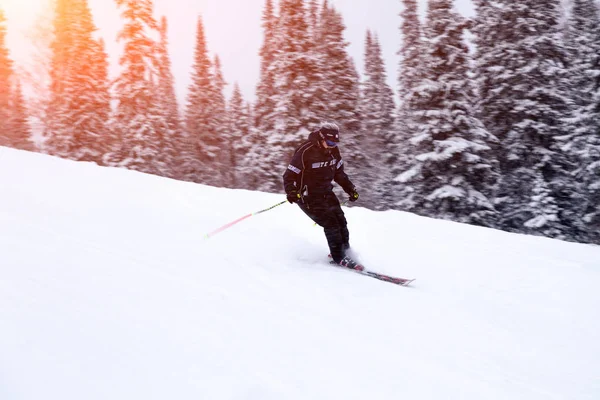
[
  {"x": 353, "y": 195},
  {"x": 293, "y": 196}
]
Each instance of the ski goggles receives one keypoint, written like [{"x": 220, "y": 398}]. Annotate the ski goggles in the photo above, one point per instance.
[{"x": 331, "y": 143}]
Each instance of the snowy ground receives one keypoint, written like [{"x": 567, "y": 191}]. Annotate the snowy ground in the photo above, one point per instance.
[{"x": 109, "y": 291}]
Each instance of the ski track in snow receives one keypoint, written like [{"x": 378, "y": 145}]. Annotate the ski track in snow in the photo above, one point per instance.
[{"x": 109, "y": 290}]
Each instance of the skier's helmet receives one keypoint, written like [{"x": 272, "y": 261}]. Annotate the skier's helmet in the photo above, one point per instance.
[{"x": 330, "y": 132}]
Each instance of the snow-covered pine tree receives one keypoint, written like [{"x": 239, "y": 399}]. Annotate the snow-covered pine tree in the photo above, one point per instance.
[
  {"x": 6, "y": 72},
  {"x": 410, "y": 73},
  {"x": 36, "y": 73},
  {"x": 452, "y": 166},
  {"x": 199, "y": 116},
  {"x": 296, "y": 73},
  {"x": 385, "y": 92},
  {"x": 20, "y": 137},
  {"x": 339, "y": 78},
  {"x": 220, "y": 84},
  {"x": 166, "y": 81},
  {"x": 493, "y": 37},
  {"x": 14, "y": 128},
  {"x": 524, "y": 101},
  {"x": 175, "y": 146},
  {"x": 264, "y": 108},
  {"x": 313, "y": 17},
  {"x": 251, "y": 171},
  {"x": 296, "y": 89},
  {"x": 97, "y": 137},
  {"x": 59, "y": 137},
  {"x": 337, "y": 93},
  {"x": 93, "y": 136},
  {"x": 237, "y": 137},
  {"x": 139, "y": 121},
  {"x": 80, "y": 100},
  {"x": 377, "y": 110},
  {"x": 583, "y": 140},
  {"x": 220, "y": 123}
]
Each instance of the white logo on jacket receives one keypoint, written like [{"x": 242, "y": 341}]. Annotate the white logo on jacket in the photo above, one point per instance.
[
  {"x": 294, "y": 169},
  {"x": 324, "y": 164}
]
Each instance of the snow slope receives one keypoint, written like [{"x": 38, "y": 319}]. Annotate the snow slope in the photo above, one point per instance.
[{"x": 109, "y": 291}]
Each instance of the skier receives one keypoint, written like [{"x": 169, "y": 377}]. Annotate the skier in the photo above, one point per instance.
[{"x": 308, "y": 182}]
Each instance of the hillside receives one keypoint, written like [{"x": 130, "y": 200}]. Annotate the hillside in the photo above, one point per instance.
[{"x": 110, "y": 291}]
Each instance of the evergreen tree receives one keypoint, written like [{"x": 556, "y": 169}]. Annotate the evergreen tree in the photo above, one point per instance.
[
  {"x": 36, "y": 74},
  {"x": 410, "y": 74},
  {"x": 238, "y": 128},
  {"x": 296, "y": 72},
  {"x": 14, "y": 129},
  {"x": 523, "y": 100},
  {"x": 220, "y": 124},
  {"x": 313, "y": 18},
  {"x": 377, "y": 102},
  {"x": 219, "y": 102},
  {"x": 493, "y": 35},
  {"x": 6, "y": 71},
  {"x": 202, "y": 104},
  {"x": 79, "y": 106},
  {"x": 139, "y": 121},
  {"x": 338, "y": 93},
  {"x": 377, "y": 109},
  {"x": 21, "y": 133},
  {"x": 251, "y": 169},
  {"x": 264, "y": 109},
  {"x": 96, "y": 138},
  {"x": 266, "y": 151},
  {"x": 410, "y": 53},
  {"x": 166, "y": 81},
  {"x": 452, "y": 171},
  {"x": 175, "y": 146},
  {"x": 583, "y": 141},
  {"x": 339, "y": 78},
  {"x": 316, "y": 51}
]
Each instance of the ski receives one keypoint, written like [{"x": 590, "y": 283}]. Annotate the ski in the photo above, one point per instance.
[
  {"x": 387, "y": 278},
  {"x": 350, "y": 264}
]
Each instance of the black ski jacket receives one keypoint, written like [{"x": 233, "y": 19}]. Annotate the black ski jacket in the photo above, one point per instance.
[{"x": 313, "y": 169}]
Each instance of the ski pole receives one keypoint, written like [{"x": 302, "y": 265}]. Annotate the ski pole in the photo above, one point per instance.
[{"x": 229, "y": 225}]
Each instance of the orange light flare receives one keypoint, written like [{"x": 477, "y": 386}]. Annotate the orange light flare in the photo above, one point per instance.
[
  {"x": 20, "y": 15},
  {"x": 25, "y": 19},
  {"x": 20, "y": 9}
]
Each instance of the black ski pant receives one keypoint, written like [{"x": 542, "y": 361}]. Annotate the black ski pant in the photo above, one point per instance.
[{"x": 326, "y": 211}]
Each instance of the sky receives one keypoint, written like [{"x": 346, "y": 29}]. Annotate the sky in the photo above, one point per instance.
[
  {"x": 109, "y": 291},
  {"x": 233, "y": 30}
]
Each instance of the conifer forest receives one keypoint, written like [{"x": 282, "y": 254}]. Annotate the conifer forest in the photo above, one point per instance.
[{"x": 494, "y": 120}]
